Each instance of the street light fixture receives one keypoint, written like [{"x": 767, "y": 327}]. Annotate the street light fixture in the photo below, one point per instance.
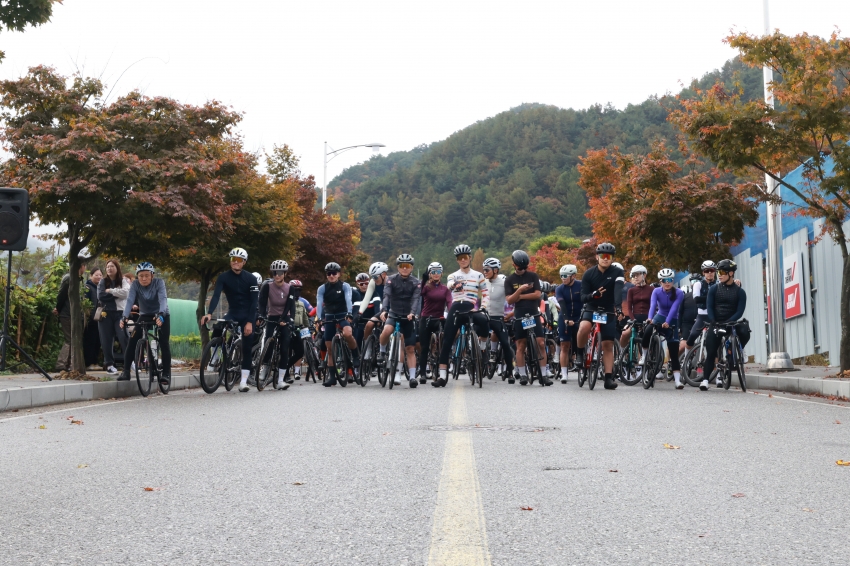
[{"x": 334, "y": 153}]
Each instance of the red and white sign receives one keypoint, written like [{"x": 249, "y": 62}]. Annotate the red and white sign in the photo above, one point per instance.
[{"x": 795, "y": 304}]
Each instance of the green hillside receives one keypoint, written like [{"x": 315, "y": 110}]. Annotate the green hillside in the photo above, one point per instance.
[{"x": 500, "y": 182}]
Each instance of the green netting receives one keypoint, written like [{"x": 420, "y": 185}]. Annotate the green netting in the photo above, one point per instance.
[{"x": 183, "y": 317}]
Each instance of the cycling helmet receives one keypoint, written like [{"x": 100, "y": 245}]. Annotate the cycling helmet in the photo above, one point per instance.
[
  {"x": 666, "y": 273},
  {"x": 239, "y": 252},
  {"x": 279, "y": 265},
  {"x": 259, "y": 278},
  {"x": 435, "y": 265},
  {"x": 362, "y": 277},
  {"x": 404, "y": 258},
  {"x": 296, "y": 283},
  {"x": 462, "y": 249},
  {"x": 332, "y": 266},
  {"x": 617, "y": 264},
  {"x": 568, "y": 270},
  {"x": 377, "y": 268},
  {"x": 637, "y": 269},
  {"x": 727, "y": 265},
  {"x": 606, "y": 248},
  {"x": 145, "y": 266},
  {"x": 492, "y": 263},
  {"x": 520, "y": 259},
  {"x": 708, "y": 264},
  {"x": 545, "y": 286}
]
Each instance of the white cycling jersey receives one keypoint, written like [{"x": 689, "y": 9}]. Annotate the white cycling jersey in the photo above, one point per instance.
[
  {"x": 496, "y": 289},
  {"x": 473, "y": 284}
]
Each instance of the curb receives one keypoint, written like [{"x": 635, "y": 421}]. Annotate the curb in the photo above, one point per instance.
[
  {"x": 804, "y": 385},
  {"x": 28, "y": 397}
]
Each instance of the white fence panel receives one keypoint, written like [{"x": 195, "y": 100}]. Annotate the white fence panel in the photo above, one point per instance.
[
  {"x": 827, "y": 266},
  {"x": 751, "y": 274},
  {"x": 800, "y": 330}
]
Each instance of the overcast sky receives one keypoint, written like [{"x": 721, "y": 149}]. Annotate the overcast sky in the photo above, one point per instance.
[{"x": 402, "y": 72}]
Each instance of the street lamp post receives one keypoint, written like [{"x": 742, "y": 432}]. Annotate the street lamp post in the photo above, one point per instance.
[
  {"x": 335, "y": 153},
  {"x": 779, "y": 358}
]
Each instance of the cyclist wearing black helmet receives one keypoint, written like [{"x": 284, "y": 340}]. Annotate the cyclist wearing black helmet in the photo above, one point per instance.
[
  {"x": 602, "y": 287},
  {"x": 523, "y": 290},
  {"x": 333, "y": 306},
  {"x": 725, "y": 302}
]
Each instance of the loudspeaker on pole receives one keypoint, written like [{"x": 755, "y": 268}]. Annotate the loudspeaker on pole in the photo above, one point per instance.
[{"x": 14, "y": 219}]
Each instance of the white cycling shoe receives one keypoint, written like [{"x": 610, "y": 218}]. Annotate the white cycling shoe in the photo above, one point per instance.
[{"x": 704, "y": 385}]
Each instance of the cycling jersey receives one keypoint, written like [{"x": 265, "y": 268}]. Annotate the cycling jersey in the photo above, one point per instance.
[
  {"x": 664, "y": 304},
  {"x": 726, "y": 303},
  {"x": 471, "y": 284},
  {"x": 701, "y": 288},
  {"x": 333, "y": 298},
  {"x": 276, "y": 301},
  {"x": 401, "y": 296},
  {"x": 151, "y": 299},
  {"x": 242, "y": 295},
  {"x": 611, "y": 280},
  {"x": 523, "y": 306},
  {"x": 496, "y": 289},
  {"x": 436, "y": 299},
  {"x": 569, "y": 299},
  {"x": 638, "y": 300}
]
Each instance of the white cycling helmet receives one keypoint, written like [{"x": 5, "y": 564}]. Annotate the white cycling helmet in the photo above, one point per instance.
[
  {"x": 404, "y": 258},
  {"x": 492, "y": 263},
  {"x": 259, "y": 278},
  {"x": 567, "y": 270},
  {"x": 279, "y": 265},
  {"x": 462, "y": 249},
  {"x": 145, "y": 266},
  {"x": 620, "y": 265},
  {"x": 377, "y": 268},
  {"x": 239, "y": 252},
  {"x": 708, "y": 264},
  {"x": 637, "y": 269},
  {"x": 435, "y": 265},
  {"x": 666, "y": 273}
]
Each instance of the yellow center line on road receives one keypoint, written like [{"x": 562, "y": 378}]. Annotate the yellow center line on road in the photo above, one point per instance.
[{"x": 459, "y": 533}]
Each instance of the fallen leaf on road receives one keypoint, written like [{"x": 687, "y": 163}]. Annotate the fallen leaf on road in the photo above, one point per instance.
[
  {"x": 43, "y": 426},
  {"x": 613, "y": 470},
  {"x": 703, "y": 536},
  {"x": 837, "y": 422},
  {"x": 69, "y": 418},
  {"x": 671, "y": 447},
  {"x": 76, "y": 422},
  {"x": 152, "y": 488},
  {"x": 770, "y": 395},
  {"x": 527, "y": 508},
  {"x": 807, "y": 510},
  {"x": 387, "y": 434},
  {"x": 83, "y": 466},
  {"x": 755, "y": 392},
  {"x": 839, "y": 462},
  {"x": 298, "y": 483},
  {"x": 725, "y": 410},
  {"x": 738, "y": 495}
]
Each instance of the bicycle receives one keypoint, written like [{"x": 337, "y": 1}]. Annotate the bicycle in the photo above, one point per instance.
[
  {"x": 693, "y": 363},
  {"x": 593, "y": 360},
  {"x": 466, "y": 350},
  {"x": 730, "y": 355},
  {"x": 268, "y": 360},
  {"x": 629, "y": 358},
  {"x": 394, "y": 349},
  {"x": 532, "y": 351},
  {"x": 148, "y": 359},
  {"x": 433, "y": 353},
  {"x": 497, "y": 358},
  {"x": 343, "y": 362},
  {"x": 369, "y": 356},
  {"x": 221, "y": 358},
  {"x": 654, "y": 359}
]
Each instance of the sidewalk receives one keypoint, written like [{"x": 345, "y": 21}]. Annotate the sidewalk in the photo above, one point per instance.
[
  {"x": 808, "y": 380},
  {"x": 24, "y": 391}
]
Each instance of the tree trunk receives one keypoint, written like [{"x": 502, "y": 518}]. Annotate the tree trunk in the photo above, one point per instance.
[
  {"x": 845, "y": 315},
  {"x": 202, "y": 307},
  {"x": 40, "y": 335},
  {"x": 78, "y": 360}
]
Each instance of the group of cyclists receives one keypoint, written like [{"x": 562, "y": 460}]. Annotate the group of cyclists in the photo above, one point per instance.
[{"x": 600, "y": 312}]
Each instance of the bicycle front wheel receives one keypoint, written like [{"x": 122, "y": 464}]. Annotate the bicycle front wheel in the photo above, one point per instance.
[
  {"x": 263, "y": 367},
  {"x": 163, "y": 383},
  {"x": 339, "y": 361},
  {"x": 596, "y": 363},
  {"x": 628, "y": 367},
  {"x": 234, "y": 364},
  {"x": 392, "y": 360},
  {"x": 144, "y": 371},
  {"x": 434, "y": 355},
  {"x": 476, "y": 360},
  {"x": 739, "y": 357},
  {"x": 211, "y": 364}
]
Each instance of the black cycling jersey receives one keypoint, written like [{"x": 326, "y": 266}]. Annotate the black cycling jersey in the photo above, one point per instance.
[
  {"x": 611, "y": 280},
  {"x": 242, "y": 295}
]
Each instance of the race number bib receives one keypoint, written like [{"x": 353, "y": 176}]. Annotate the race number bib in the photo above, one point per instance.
[
  {"x": 528, "y": 323},
  {"x": 305, "y": 333},
  {"x": 600, "y": 317}
]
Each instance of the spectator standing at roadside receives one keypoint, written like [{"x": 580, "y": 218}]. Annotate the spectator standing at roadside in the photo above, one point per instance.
[
  {"x": 63, "y": 311},
  {"x": 91, "y": 336},
  {"x": 112, "y": 292}
]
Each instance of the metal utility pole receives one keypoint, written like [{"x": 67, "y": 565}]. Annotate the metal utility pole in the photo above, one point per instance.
[
  {"x": 779, "y": 358},
  {"x": 375, "y": 147}
]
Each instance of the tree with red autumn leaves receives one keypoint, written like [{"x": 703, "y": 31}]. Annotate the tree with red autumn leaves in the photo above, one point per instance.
[{"x": 660, "y": 214}]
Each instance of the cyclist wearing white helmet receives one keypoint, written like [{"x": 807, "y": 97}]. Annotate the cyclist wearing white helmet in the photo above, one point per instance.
[
  {"x": 664, "y": 315},
  {"x": 149, "y": 293},
  {"x": 602, "y": 288},
  {"x": 568, "y": 295},
  {"x": 700, "y": 292},
  {"x": 333, "y": 307},
  {"x": 498, "y": 328},
  {"x": 401, "y": 304},
  {"x": 240, "y": 288},
  {"x": 468, "y": 287},
  {"x": 638, "y": 299},
  {"x": 436, "y": 300},
  {"x": 277, "y": 307},
  {"x": 362, "y": 283},
  {"x": 370, "y": 303}
]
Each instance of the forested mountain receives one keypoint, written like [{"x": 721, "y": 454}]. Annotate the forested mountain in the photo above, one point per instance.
[{"x": 503, "y": 181}]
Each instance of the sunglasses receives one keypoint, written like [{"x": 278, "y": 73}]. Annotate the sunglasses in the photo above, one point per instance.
[
  {"x": 709, "y": 270},
  {"x": 462, "y": 256},
  {"x": 436, "y": 272},
  {"x": 237, "y": 260},
  {"x": 361, "y": 283},
  {"x": 667, "y": 280},
  {"x": 487, "y": 270},
  {"x": 606, "y": 256},
  {"x": 329, "y": 273},
  {"x": 565, "y": 276},
  {"x": 405, "y": 266},
  {"x": 278, "y": 272},
  {"x": 722, "y": 272}
]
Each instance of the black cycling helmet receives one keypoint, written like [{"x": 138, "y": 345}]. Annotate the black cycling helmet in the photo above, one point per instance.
[
  {"x": 727, "y": 265},
  {"x": 606, "y": 248},
  {"x": 520, "y": 259},
  {"x": 332, "y": 266}
]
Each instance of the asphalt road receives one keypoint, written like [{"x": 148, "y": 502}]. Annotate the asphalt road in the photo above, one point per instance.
[{"x": 372, "y": 476}]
